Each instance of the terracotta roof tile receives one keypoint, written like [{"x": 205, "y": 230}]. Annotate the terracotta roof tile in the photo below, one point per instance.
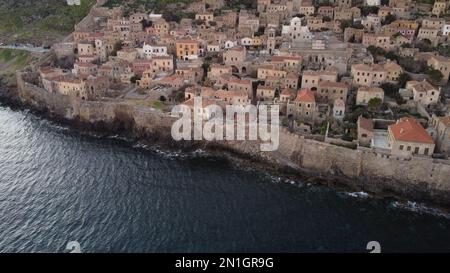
[
  {"x": 409, "y": 130},
  {"x": 306, "y": 95}
]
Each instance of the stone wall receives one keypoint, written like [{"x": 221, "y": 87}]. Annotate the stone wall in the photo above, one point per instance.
[{"x": 360, "y": 169}]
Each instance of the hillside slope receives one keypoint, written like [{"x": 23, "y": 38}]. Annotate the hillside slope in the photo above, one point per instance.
[{"x": 39, "y": 22}]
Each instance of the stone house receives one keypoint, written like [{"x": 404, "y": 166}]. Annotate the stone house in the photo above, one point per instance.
[
  {"x": 440, "y": 63},
  {"x": 96, "y": 86},
  {"x": 384, "y": 11},
  {"x": 431, "y": 22},
  {"x": 365, "y": 94},
  {"x": 304, "y": 106},
  {"x": 162, "y": 64},
  {"x": 307, "y": 9},
  {"x": 311, "y": 79},
  {"x": 287, "y": 95},
  {"x": 86, "y": 48},
  {"x": 217, "y": 70},
  {"x": 315, "y": 23},
  {"x": 430, "y": 34},
  {"x": 365, "y": 131},
  {"x": 439, "y": 8},
  {"x": 407, "y": 137},
  {"x": 206, "y": 111},
  {"x": 371, "y": 22},
  {"x": 265, "y": 93},
  {"x": 356, "y": 12},
  {"x": 83, "y": 70},
  {"x": 407, "y": 52},
  {"x": 235, "y": 56},
  {"x": 205, "y": 16},
  {"x": 290, "y": 81},
  {"x": 232, "y": 97},
  {"x": 190, "y": 74},
  {"x": 378, "y": 40},
  {"x": 213, "y": 48},
  {"x": 326, "y": 11},
  {"x": 353, "y": 34},
  {"x": 88, "y": 58},
  {"x": 161, "y": 27},
  {"x": 339, "y": 109},
  {"x": 70, "y": 86},
  {"x": 138, "y": 17},
  {"x": 229, "y": 19},
  {"x": 442, "y": 138},
  {"x": 423, "y": 92},
  {"x": 368, "y": 75},
  {"x": 287, "y": 63},
  {"x": 270, "y": 71},
  {"x": 241, "y": 85},
  {"x": 343, "y": 3},
  {"x": 393, "y": 71},
  {"x": 343, "y": 14},
  {"x": 329, "y": 91},
  {"x": 79, "y": 36}
]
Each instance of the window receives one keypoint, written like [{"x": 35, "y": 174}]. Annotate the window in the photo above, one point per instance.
[
  {"x": 409, "y": 148},
  {"x": 427, "y": 151},
  {"x": 416, "y": 150},
  {"x": 401, "y": 147}
]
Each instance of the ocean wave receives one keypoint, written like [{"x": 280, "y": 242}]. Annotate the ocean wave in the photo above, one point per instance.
[
  {"x": 420, "y": 208},
  {"x": 359, "y": 194}
]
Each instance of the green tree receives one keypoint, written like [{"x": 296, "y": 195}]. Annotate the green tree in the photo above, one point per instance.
[
  {"x": 375, "y": 104},
  {"x": 376, "y": 51},
  {"x": 391, "y": 55},
  {"x": 389, "y": 88},
  {"x": 134, "y": 79},
  {"x": 403, "y": 78},
  {"x": 434, "y": 75},
  {"x": 117, "y": 47},
  {"x": 389, "y": 19}
]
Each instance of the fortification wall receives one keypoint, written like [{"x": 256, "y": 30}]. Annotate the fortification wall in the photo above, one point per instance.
[{"x": 360, "y": 169}]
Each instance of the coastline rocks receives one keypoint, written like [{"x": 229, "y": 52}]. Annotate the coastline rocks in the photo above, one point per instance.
[{"x": 309, "y": 160}]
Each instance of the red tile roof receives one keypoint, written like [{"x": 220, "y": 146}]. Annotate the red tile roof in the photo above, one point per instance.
[
  {"x": 306, "y": 95},
  {"x": 410, "y": 130}
]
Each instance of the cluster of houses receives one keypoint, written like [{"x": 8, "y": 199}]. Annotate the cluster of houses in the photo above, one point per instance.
[{"x": 310, "y": 58}]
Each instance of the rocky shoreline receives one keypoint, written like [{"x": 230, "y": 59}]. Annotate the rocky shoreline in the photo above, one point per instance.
[{"x": 333, "y": 179}]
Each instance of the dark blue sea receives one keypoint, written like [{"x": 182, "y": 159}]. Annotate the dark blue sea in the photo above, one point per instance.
[{"x": 59, "y": 185}]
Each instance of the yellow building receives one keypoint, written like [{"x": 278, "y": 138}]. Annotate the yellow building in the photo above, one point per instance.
[
  {"x": 205, "y": 16},
  {"x": 187, "y": 49},
  {"x": 439, "y": 8}
]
